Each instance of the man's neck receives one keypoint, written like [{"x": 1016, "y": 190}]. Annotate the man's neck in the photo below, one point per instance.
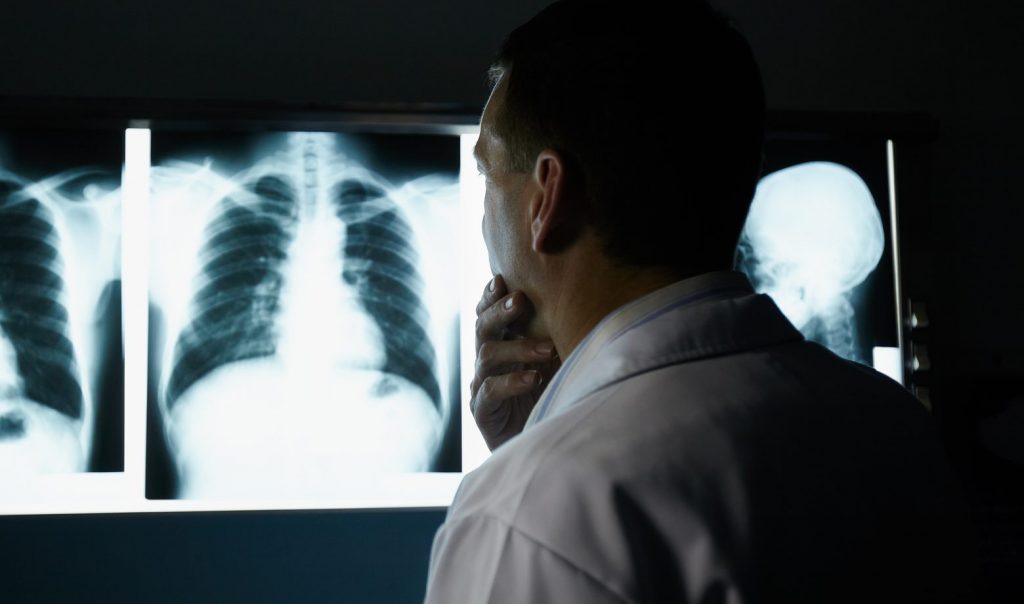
[{"x": 584, "y": 297}]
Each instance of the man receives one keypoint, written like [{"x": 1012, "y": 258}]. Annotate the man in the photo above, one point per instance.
[{"x": 691, "y": 446}]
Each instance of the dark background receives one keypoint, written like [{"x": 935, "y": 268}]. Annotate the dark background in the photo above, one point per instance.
[{"x": 958, "y": 61}]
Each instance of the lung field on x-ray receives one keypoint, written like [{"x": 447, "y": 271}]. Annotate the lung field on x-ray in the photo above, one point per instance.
[
  {"x": 814, "y": 234},
  {"x": 312, "y": 345},
  {"x": 34, "y": 317},
  {"x": 236, "y": 303},
  {"x": 380, "y": 263}
]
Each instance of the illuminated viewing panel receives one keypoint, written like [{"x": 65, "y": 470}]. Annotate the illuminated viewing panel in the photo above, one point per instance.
[
  {"x": 210, "y": 319},
  {"x": 294, "y": 330}
]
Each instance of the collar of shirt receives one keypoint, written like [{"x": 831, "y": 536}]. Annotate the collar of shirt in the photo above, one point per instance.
[{"x": 559, "y": 393}]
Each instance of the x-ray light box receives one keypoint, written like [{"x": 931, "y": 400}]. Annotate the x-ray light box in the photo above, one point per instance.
[{"x": 202, "y": 316}]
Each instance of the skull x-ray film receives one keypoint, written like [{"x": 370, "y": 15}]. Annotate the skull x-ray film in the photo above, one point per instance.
[
  {"x": 61, "y": 360},
  {"x": 303, "y": 312},
  {"x": 818, "y": 239}
]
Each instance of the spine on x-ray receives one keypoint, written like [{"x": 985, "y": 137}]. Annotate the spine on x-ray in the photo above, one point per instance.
[{"x": 838, "y": 327}]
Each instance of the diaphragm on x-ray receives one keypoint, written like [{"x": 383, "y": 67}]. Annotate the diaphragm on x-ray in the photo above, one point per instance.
[
  {"x": 61, "y": 365},
  {"x": 303, "y": 311}
]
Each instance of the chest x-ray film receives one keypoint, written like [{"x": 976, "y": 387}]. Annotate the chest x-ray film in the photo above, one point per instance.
[
  {"x": 303, "y": 312},
  {"x": 61, "y": 365},
  {"x": 819, "y": 240}
]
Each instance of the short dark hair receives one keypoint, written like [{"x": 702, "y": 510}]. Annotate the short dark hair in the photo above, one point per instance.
[{"x": 658, "y": 110}]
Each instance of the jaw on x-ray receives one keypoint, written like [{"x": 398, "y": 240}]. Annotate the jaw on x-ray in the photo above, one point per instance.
[
  {"x": 303, "y": 356},
  {"x": 812, "y": 236}
]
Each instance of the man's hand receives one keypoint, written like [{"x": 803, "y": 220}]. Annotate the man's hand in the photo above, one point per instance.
[{"x": 511, "y": 370}]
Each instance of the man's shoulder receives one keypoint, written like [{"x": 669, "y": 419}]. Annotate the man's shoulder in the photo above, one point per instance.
[
  {"x": 709, "y": 452},
  {"x": 694, "y": 427},
  {"x": 576, "y": 492},
  {"x": 688, "y": 421},
  {"x": 496, "y": 488},
  {"x": 680, "y": 421},
  {"x": 612, "y": 441}
]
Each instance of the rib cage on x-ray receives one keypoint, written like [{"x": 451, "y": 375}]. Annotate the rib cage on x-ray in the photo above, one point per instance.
[
  {"x": 238, "y": 297},
  {"x": 32, "y": 314},
  {"x": 244, "y": 259}
]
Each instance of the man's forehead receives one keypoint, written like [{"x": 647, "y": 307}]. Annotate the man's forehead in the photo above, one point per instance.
[{"x": 485, "y": 141}]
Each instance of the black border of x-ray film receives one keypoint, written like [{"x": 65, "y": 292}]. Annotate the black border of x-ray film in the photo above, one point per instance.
[
  {"x": 395, "y": 156},
  {"x": 38, "y": 152},
  {"x": 874, "y": 300}
]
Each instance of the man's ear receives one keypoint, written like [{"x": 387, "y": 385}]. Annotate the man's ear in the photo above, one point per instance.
[{"x": 550, "y": 208}]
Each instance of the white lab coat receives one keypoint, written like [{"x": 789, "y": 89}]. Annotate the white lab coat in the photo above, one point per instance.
[{"x": 708, "y": 454}]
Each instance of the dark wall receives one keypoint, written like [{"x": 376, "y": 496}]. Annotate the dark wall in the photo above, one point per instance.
[
  {"x": 303, "y": 50},
  {"x": 250, "y": 557},
  {"x": 956, "y": 60}
]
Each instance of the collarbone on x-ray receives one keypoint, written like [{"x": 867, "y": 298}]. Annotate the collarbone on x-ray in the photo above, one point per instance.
[
  {"x": 812, "y": 236},
  {"x": 304, "y": 354}
]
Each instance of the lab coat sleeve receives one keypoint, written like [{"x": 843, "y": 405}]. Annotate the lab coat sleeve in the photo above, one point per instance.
[{"x": 479, "y": 558}]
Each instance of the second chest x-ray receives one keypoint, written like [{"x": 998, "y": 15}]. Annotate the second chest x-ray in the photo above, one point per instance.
[
  {"x": 61, "y": 366},
  {"x": 818, "y": 241},
  {"x": 303, "y": 311}
]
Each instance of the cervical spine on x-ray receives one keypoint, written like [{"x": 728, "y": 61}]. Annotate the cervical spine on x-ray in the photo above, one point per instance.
[
  {"x": 813, "y": 234},
  {"x": 32, "y": 315}
]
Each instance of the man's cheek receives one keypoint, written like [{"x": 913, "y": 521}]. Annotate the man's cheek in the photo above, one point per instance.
[
  {"x": 487, "y": 229},
  {"x": 492, "y": 263}
]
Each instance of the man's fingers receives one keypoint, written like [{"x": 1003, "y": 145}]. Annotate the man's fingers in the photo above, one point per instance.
[
  {"x": 491, "y": 323},
  {"x": 494, "y": 290},
  {"x": 499, "y": 390},
  {"x": 493, "y": 356}
]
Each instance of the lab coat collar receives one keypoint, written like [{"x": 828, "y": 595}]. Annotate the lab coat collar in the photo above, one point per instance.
[{"x": 710, "y": 315}]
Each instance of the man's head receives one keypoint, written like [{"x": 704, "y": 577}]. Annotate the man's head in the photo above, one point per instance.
[{"x": 650, "y": 115}]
